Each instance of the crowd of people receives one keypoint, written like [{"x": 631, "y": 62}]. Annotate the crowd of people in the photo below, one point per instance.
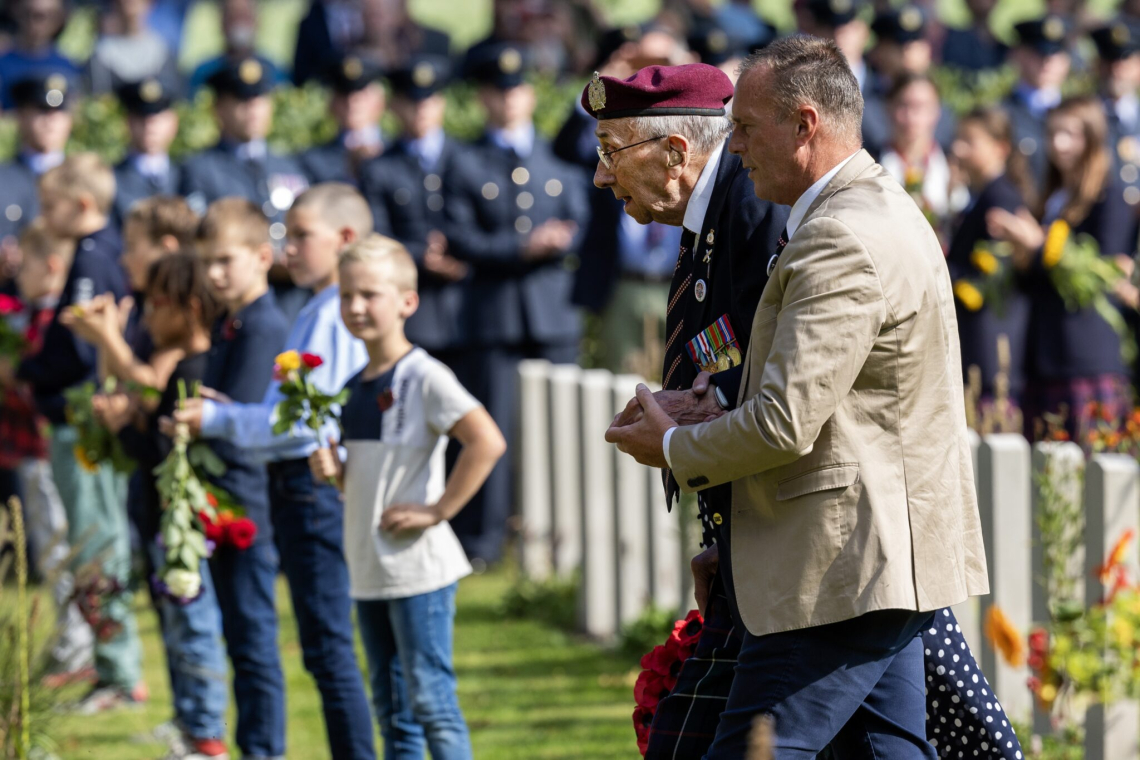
[{"x": 155, "y": 270}]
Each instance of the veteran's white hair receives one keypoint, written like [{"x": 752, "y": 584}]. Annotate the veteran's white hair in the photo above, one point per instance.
[{"x": 704, "y": 133}]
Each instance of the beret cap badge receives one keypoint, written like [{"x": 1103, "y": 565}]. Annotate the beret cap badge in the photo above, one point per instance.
[
  {"x": 150, "y": 91},
  {"x": 249, "y": 71},
  {"x": 597, "y": 93},
  {"x": 423, "y": 75}
]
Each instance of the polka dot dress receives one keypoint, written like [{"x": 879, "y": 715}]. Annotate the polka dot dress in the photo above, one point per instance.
[{"x": 963, "y": 716}]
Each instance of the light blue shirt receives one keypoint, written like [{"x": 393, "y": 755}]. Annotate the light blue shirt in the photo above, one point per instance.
[
  {"x": 318, "y": 330},
  {"x": 520, "y": 139}
]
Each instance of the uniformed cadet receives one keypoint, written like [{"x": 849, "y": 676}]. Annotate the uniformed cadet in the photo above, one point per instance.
[
  {"x": 718, "y": 45},
  {"x": 1118, "y": 45},
  {"x": 1042, "y": 60},
  {"x": 43, "y": 119},
  {"x": 405, "y": 188},
  {"x": 153, "y": 124},
  {"x": 515, "y": 213},
  {"x": 357, "y": 105},
  {"x": 840, "y": 20},
  {"x": 974, "y": 47},
  {"x": 241, "y": 164}
]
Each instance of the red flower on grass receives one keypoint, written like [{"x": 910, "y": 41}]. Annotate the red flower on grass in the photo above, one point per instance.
[
  {"x": 312, "y": 361},
  {"x": 241, "y": 532}
]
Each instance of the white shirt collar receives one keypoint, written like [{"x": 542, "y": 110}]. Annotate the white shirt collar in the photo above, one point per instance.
[
  {"x": 702, "y": 193},
  {"x": 800, "y": 207}
]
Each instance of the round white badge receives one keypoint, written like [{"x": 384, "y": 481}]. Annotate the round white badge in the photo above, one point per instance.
[
  {"x": 772, "y": 264},
  {"x": 700, "y": 290}
]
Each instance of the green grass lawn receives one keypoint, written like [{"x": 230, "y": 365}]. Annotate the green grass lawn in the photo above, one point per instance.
[{"x": 527, "y": 690}]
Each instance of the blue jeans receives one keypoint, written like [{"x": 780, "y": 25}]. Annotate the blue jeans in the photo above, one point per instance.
[
  {"x": 408, "y": 643},
  {"x": 244, "y": 582},
  {"x": 192, "y": 637},
  {"x": 308, "y": 526},
  {"x": 858, "y": 684}
]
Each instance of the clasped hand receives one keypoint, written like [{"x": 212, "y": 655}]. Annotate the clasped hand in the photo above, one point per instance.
[{"x": 640, "y": 428}]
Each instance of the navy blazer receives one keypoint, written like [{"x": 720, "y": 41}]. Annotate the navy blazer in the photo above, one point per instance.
[
  {"x": 131, "y": 187},
  {"x": 1124, "y": 147},
  {"x": 407, "y": 203},
  {"x": 1064, "y": 344},
  {"x": 240, "y": 365},
  {"x": 492, "y": 203},
  {"x": 217, "y": 173},
  {"x": 1028, "y": 135},
  {"x": 329, "y": 162},
  {"x": 968, "y": 49},
  {"x": 19, "y": 196},
  {"x": 65, "y": 360},
  {"x": 979, "y": 330}
]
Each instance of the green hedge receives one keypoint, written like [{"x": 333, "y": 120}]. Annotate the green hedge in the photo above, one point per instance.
[{"x": 301, "y": 119}]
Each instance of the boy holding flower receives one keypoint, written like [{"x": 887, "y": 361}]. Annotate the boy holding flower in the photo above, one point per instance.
[
  {"x": 307, "y": 516},
  {"x": 404, "y": 560}
]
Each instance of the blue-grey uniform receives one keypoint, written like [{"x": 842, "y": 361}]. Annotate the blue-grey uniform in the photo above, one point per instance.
[
  {"x": 973, "y": 48},
  {"x": 716, "y": 43},
  {"x": 245, "y": 169},
  {"x": 1028, "y": 106},
  {"x": 500, "y": 189},
  {"x": 19, "y": 196},
  {"x": 140, "y": 175},
  {"x": 1115, "y": 42},
  {"x": 339, "y": 159},
  {"x": 405, "y": 188}
]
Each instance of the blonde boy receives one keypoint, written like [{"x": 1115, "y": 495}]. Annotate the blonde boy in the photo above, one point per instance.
[{"x": 404, "y": 560}]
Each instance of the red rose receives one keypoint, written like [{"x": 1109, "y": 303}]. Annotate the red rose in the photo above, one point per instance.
[
  {"x": 241, "y": 532},
  {"x": 312, "y": 361},
  {"x": 212, "y": 530},
  {"x": 9, "y": 304},
  {"x": 642, "y": 722}
]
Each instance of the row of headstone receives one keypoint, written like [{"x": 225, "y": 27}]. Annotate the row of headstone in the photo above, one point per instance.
[
  {"x": 592, "y": 513},
  {"x": 587, "y": 510}
]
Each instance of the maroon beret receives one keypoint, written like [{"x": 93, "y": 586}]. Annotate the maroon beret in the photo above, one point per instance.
[{"x": 692, "y": 89}]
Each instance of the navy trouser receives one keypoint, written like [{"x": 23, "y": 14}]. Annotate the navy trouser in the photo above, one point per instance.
[
  {"x": 858, "y": 685},
  {"x": 308, "y": 526},
  {"x": 244, "y": 583}
]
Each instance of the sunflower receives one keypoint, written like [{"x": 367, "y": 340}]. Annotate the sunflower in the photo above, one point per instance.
[
  {"x": 1059, "y": 232},
  {"x": 969, "y": 295},
  {"x": 985, "y": 261},
  {"x": 88, "y": 464}
]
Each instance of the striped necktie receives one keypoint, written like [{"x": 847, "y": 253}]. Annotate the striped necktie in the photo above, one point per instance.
[{"x": 675, "y": 314}]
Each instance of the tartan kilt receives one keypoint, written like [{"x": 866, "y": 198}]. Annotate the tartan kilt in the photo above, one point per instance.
[{"x": 685, "y": 721}]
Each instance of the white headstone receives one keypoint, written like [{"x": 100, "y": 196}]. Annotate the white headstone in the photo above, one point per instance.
[
  {"x": 534, "y": 469},
  {"x": 566, "y": 454},
  {"x": 598, "y": 600},
  {"x": 631, "y": 508}
]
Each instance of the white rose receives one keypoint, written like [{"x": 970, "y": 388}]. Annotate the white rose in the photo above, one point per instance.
[{"x": 183, "y": 584}]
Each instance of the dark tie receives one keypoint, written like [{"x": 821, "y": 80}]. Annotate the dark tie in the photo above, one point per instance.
[
  {"x": 781, "y": 244},
  {"x": 672, "y": 373}
]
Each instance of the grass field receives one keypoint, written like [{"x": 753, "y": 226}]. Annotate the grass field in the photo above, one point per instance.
[{"x": 527, "y": 690}]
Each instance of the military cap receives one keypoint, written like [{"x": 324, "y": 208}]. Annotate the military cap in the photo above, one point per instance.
[
  {"x": 715, "y": 43},
  {"x": 500, "y": 65},
  {"x": 1117, "y": 40},
  {"x": 1045, "y": 36},
  {"x": 46, "y": 90},
  {"x": 691, "y": 89},
  {"x": 612, "y": 40},
  {"x": 351, "y": 73},
  {"x": 833, "y": 13},
  {"x": 422, "y": 77},
  {"x": 146, "y": 97},
  {"x": 245, "y": 78},
  {"x": 901, "y": 25}
]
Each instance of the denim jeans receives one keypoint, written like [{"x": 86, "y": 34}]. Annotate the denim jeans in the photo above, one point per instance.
[
  {"x": 308, "y": 525},
  {"x": 192, "y": 636},
  {"x": 408, "y": 643},
  {"x": 244, "y": 583}
]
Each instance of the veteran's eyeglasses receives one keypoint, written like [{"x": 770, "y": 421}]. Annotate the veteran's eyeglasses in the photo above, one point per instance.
[{"x": 604, "y": 155}]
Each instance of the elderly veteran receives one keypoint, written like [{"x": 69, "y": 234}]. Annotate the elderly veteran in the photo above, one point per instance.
[
  {"x": 662, "y": 135},
  {"x": 851, "y": 525}
]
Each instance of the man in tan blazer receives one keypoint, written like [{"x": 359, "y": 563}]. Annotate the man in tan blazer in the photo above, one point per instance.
[{"x": 853, "y": 510}]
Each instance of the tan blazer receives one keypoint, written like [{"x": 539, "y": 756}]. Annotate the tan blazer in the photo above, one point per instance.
[{"x": 852, "y": 488}]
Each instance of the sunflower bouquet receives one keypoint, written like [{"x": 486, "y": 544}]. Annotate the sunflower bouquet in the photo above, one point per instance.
[{"x": 993, "y": 278}]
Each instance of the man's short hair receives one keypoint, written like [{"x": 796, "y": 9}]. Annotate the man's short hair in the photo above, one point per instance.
[
  {"x": 374, "y": 248},
  {"x": 82, "y": 174},
  {"x": 235, "y": 220},
  {"x": 704, "y": 133},
  {"x": 808, "y": 70},
  {"x": 162, "y": 215},
  {"x": 37, "y": 241},
  {"x": 339, "y": 205}
]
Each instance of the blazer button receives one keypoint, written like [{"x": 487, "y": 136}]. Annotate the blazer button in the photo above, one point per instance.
[{"x": 717, "y": 518}]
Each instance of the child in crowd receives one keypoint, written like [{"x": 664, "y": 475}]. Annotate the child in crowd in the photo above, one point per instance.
[
  {"x": 404, "y": 560},
  {"x": 233, "y": 243},
  {"x": 180, "y": 310},
  {"x": 308, "y": 517},
  {"x": 45, "y": 260},
  {"x": 75, "y": 201}
]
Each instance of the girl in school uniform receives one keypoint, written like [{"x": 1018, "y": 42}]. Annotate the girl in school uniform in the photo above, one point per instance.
[
  {"x": 995, "y": 175},
  {"x": 1073, "y": 357}
]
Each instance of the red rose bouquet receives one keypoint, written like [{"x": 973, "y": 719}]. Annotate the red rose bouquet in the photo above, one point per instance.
[
  {"x": 660, "y": 668},
  {"x": 228, "y": 526},
  {"x": 303, "y": 401}
]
